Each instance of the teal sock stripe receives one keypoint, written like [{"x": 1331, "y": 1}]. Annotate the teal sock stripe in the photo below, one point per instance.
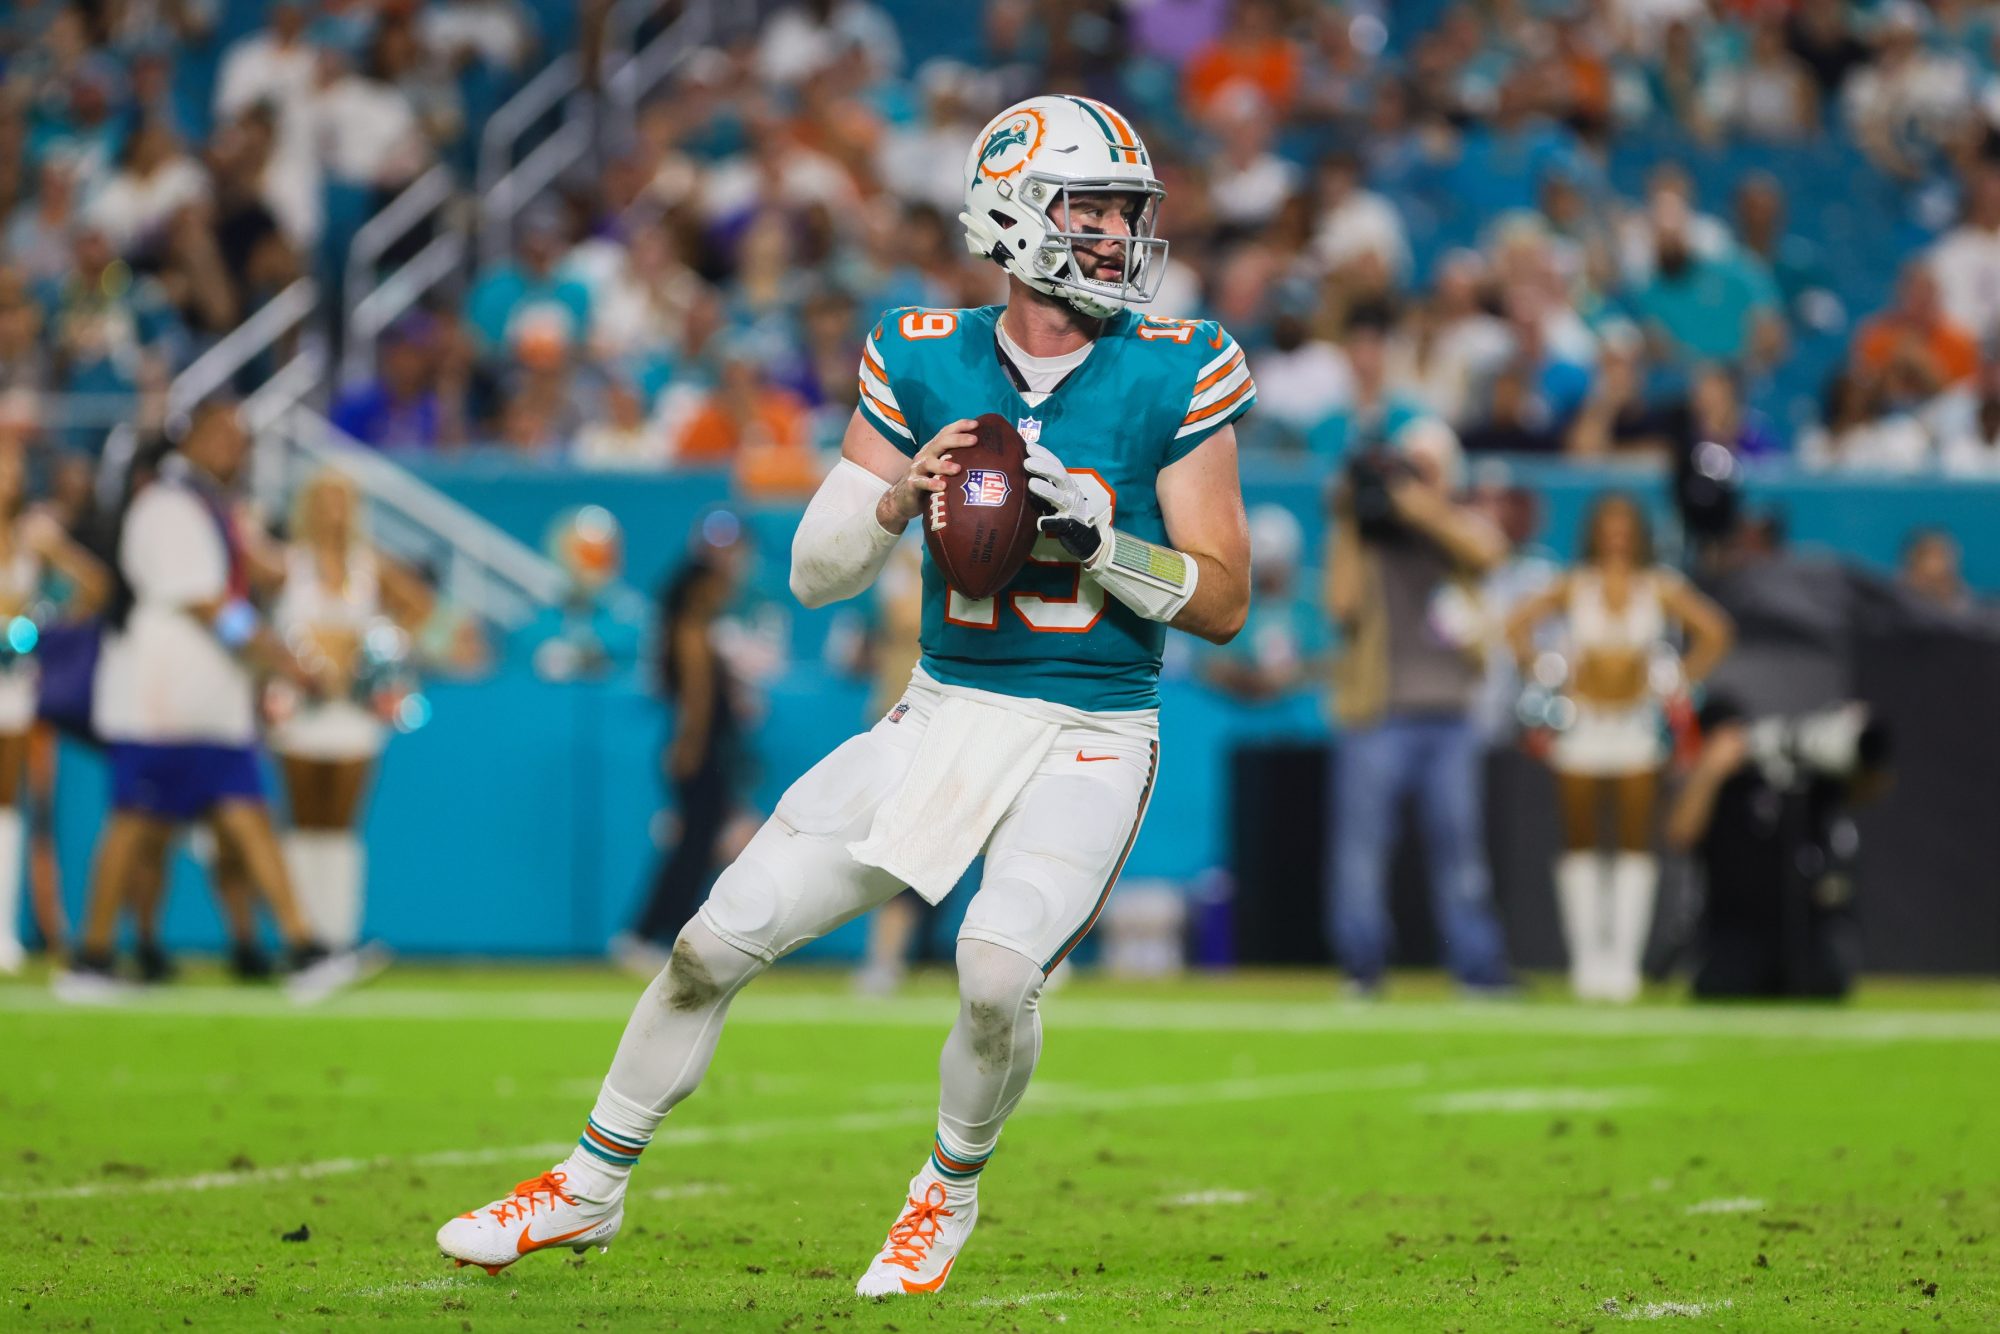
[
  {"x": 598, "y": 1150},
  {"x": 970, "y": 1167}
]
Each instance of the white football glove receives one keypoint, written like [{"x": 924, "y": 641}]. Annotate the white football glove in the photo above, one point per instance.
[{"x": 1073, "y": 518}]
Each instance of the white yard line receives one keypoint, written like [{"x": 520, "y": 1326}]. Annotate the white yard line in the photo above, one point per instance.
[
  {"x": 1024, "y": 1299},
  {"x": 1741, "y": 1204},
  {"x": 1193, "y": 1015},
  {"x": 1670, "y": 1310},
  {"x": 1056, "y": 1101},
  {"x": 1201, "y": 1197},
  {"x": 1555, "y": 1098}
]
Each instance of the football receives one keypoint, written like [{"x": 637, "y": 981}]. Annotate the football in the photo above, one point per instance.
[{"x": 981, "y": 527}]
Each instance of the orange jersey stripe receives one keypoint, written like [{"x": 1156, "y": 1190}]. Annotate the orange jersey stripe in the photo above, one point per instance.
[
  {"x": 882, "y": 407},
  {"x": 1221, "y": 372},
  {"x": 874, "y": 362},
  {"x": 1219, "y": 404}
]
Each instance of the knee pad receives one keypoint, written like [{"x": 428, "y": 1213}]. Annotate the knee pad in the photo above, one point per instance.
[
  {"x": 995, "y": 978},
  {"x": 747, "y": 908},
  {"x": 1025, "y": 911}
]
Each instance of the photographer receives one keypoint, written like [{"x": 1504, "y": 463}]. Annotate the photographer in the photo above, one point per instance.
[
  {"x": 1764, "y": 813},
  {"x": 1402, "y": 584}
]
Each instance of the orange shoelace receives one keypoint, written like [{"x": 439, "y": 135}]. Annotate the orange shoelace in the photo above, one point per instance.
[
  {"x": 531, "y": 1194},
  {"x": 910, "y": 1239}
]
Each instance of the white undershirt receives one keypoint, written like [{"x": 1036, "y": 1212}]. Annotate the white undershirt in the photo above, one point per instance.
[{"x": 1043, "y": 374}]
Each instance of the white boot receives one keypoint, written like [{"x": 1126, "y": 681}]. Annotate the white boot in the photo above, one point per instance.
[
  {"x": 1580, "y": 896},
  {"x": 12, "y": 836},
  {"x": 1635, "y": 878}
]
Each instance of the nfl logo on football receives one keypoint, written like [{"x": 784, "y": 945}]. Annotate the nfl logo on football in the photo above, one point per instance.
[
  {"x": 985, "y": 486},
  {"x": 1030, "y": 429}
]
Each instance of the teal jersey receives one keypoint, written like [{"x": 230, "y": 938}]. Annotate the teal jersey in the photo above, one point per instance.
[{"x": 1150, "y": 391}]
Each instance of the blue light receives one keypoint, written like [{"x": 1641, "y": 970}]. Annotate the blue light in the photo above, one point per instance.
[
  {"x": 412, "y": 713},
  {"x": 23, "y": 634}
]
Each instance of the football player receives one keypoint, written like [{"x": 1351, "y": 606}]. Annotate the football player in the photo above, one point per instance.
[{"x": 1039, "y": 705}]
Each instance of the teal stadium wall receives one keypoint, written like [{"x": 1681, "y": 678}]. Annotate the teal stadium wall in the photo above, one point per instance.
[{"x": 518, "y": 821}]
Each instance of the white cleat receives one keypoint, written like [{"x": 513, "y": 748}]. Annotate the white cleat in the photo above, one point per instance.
[
  {"x": 12, "y": 956},
  {"x": 334, "y": 973},
  {"x": 538, "y": 1214},
  {"x": 923, "y": 1243}
]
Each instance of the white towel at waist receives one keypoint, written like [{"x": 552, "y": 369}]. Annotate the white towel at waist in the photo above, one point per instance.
[{"x": 972, "y": 762}]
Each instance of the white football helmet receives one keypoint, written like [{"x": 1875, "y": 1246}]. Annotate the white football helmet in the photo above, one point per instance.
[{"x": 1019, "y": 174}]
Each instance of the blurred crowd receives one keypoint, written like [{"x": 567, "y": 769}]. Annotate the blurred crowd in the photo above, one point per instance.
[
  {"x": 1594, "y": 228},
  {"x": 1402, "y": 211}
]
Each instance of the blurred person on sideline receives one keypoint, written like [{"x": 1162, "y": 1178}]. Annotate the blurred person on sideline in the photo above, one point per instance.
[
  {"x": 890, "y": 652},
  {"x": 705, "y": 762},
  {"x": 175, "y": 699},
  {"x": 1932, "y": 569},
  {"x": 32, "y": 544},
  {"x": 1401, "y": 587},
  {"x": 1619, "y": 606},
  {"x": 334, "y": 614},
  {"x": 591, "y": 634},
  {"x": 1282, "y": 648}
]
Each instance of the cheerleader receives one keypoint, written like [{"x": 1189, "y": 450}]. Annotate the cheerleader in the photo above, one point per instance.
[
  {"x": 31, "y": 543},
  {"x": 1618, "y": 606},
  {"x": 327, "y": 742}
]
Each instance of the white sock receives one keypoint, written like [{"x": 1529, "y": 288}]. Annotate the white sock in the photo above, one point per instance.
[
  {"x": 12, "y": 836},
  {"x": 665, "y": 1051},
  {"x": 988, "y": 1059},
  {"x": 1580, "y": 897},
  {"x": 342, "y": 865},
  {"x": 1634, "y": 879},
  {"x": 307, "y": 869}
]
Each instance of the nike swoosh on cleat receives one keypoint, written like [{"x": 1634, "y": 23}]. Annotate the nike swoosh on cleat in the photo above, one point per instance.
[
  {"x": 935, "y": 1283},
  {"x": 1082, "y": 758},
  {"x": 525, "y": 1243}
]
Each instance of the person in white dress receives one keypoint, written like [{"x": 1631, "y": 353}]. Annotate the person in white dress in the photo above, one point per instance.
[
  {"x": 31, "y": 542},
  {"x": 1619, "y": 607},
  {"x": 328, "y": 742}
]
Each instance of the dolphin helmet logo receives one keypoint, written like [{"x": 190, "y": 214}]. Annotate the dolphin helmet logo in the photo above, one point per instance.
[{"x": 1010, "y": 145}]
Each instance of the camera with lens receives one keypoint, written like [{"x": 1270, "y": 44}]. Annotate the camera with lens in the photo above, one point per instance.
[
  {"x": 1839, "y": 745},
  {"x": 1369, "y": 475}
]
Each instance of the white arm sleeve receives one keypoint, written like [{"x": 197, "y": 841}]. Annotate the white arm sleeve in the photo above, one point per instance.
[{"x": 840, "y": 548}]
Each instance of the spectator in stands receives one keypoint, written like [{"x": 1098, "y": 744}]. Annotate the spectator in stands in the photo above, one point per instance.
[
  {"x": 748, "y": 421},
  {"x": 1706, "y": 307},
  {"x": 400, "y": 59},
  {"x": 801, "y": 40},
  {"x": 550, "y": 389},
  {"x": 1858, "y": 431},
  {"x": 624, "y": 437},
  {"x": 910, "y": 154},
  {"x": 24, "y": 362},
  {"x": 529, "y": 285},
  {"x": 499, "y": 34},
  {"x": 1354, "y": 222},
  {"x": 1795, "y": 262},
  {"x": 1247, "y": 182},
  {"x": 1380, "y": 406},
  {"x": 1907, "y": 102},
  {"x": 1252, "y": 50},
  {"x": 1507, "y": 155},
  {"x": 103, "y": 323},
  {"x": 1616, "y": 418},
  {"x": 1820, "y": 34},
  {"x": 1966, "y": 261},
  {"x": 1968, "y": 427},
  {"x": 380, "y": 145},
  {"x": 153, "y": 181},
  {"x": 1769, "y": 94},
  {"x": 276, "y": 68},
  {"x": 193, "y": 278},
  {"x": 1931, "y": 569},
  {"x": 1404, "y": 691},
  {"x": 37, "y": 237},
  {"x": 1916, "y": 334},
  {"x": 1301, "y": 379},
  {"x": 81, "y": 129},
  {"x": 275, "y": 65},
  {"x": 1516, "y": 420},
  {"x": 1459, "y": 341},
  {"x": 400, "y": 409},
  {"x": 1716, "y": 413}
]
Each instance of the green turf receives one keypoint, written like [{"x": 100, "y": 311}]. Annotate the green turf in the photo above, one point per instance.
[{"x": 1223, "y": 1155}]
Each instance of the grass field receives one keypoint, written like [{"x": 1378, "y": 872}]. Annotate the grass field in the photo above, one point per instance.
[{"x": 1218, "y": 1155}]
